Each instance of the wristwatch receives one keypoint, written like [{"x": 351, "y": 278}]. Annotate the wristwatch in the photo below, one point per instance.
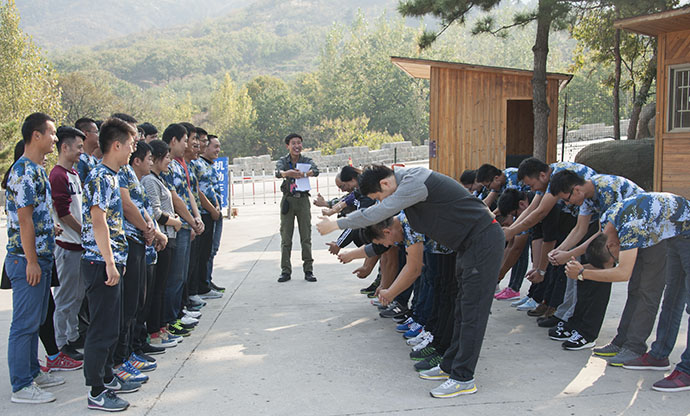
[
  {"x": 580, "y": 277},
  {"x": 541, "y": 272}
]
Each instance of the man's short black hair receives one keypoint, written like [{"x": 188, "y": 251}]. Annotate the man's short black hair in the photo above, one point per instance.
[
  {"x": 140, "y": 153},
  {"x": 201, "y": 132},
  {"x": 375, "y": 231},
  {"x": 531, "y": 167},
  {"x": 67, "y": 134},
  {"x": 114, "y": 129},
  {"x": 83, "y": 123},
  {"x": 159, "y": 149},
  {"x": 18, "y": 152},
  {"x": 174, "y": 130},
  {"x": 148, "y": 128},
  {"x": 35, "y": 122},
  {"x": 468, "y": 177},
  {"x": 212, "y": 136},
  {"x": 597, "y": 253},
  {"x": 564, "y": 182},
  {"x": 487, "y": 172},
  {"x": 189, "y": 127},
  {"x": 348, "y": 173},
  {"x": 292, "y": 136},
  {"x": 370, "y": 180},
  {"x": 125, "y": 117},
  {"x": 510, "y": 200}
]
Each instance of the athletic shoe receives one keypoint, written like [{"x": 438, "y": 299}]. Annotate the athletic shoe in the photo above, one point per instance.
[
  {"x": 107, "y": 401},
  {"x": 126, "y": 372},
  {"x": 371, "y": 295},
  {"x": 393, "y": 309},
  {"x": 188, "y": 320},
  {"x": 193, "y": 314},
  {"x": 160, "y": 340},
  {"x": 211, "y": 294},
  {"x": 418, "y": 339},
  {"x": 676, "y": 381},
  {"x": 194, "y": 308},
  {"x": 433, "y": 374},
  {"x": 309, "y": 277},
  {"x": 529, "y": 305},
  {"x": 151, "y": 350},
  {"x": 141, "y": 364},
  {"x": 520, "y": 302},
  {"x": 195, "y": 300},
  {"x": 549, "y": 322},
  {"x": 32, "y": 394},
  {"x": 402, "y": 317},
  {"x": 180, "y": 324},
  {"x": 428, "y": 339},
  {"x": 140, "y": 354},
  {"x": 217, "y": 288},
  {"x": 72, "y": 352},
  {"x": 405, "y": 326},
  {"x": 369, "y": 289},
  {"x": 178, "y": 338},
  {"x": 423, "y": 354},
  {"x": 122, "y": 386},
  {"x": 577, "y": 342},
  {"x": 623, "y": 356},
  {"x": 63, "y": 362},
  {"x": 452, "y": 388},
  {"x": 428, "y": 363},
  {"x": 415, "y": 329},
  {"x": 560, "y": 332},
  {"x": 608, "y": 350},
  {"x": 647, "y": 362},
  {"x": 376, "y": 303},
  {"x": 507, "y": 294},
  {"x": 178, "y": 330},
  {"x": 44, "y": 380},
  {"x": 538, "y": 311}
]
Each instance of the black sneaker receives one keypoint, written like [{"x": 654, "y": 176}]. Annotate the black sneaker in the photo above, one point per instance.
[
  {"x": 402, "y": 318},
  {"x": 577, "y": 342},
  {"x": 309, "y": 277},
  {"x": 141, "y": 354},
  {"x": 369, "y": 289},
  {"x": 395, "y": 310},
  {"x": 72, "y": 352},
  {"x": 428, "y": 363},
  {"x": 371, "y": 295},
  {"x": 423, "y": 354},
  {"x": 151, "y": 350},
  {"x": 284, "y": 277},
  {"x": 549, "y": 322},
  {"x": 217, "y": 288},
  {"x": 175, "y": 330},
  {"x": 559, "y": 332}
]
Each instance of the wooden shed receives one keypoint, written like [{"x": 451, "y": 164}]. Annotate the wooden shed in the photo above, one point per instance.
[
  {"x": 672, "y": 131},
  {"x": 482, "y": 114}
]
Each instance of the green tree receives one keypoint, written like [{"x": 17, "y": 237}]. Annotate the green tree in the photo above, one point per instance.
[
  {"x": 334, "y": 134},
  {"x": 232, "y": 117},
  {"x": 89, "y": 94},
  {"x": 28, "y": 82}
]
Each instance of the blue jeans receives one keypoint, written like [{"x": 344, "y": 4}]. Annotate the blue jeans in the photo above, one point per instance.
[
  {"x": 29, "y": 308},
  {"x": 424, "y": 288},
  {"x": 179, "y": 267},
  {"x": 217, "y": 233},
  {"x": 676, "y": 298}
]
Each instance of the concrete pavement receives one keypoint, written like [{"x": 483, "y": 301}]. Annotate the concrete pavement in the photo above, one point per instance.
[{"x": 300, "y": 348}]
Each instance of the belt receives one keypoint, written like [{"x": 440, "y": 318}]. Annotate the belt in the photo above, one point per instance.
[{"x": 299, "y": 194}]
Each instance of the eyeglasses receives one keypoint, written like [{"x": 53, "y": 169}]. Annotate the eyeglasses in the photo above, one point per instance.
[
  {"x": 615, "y": 260},
  {"x": 569, "y": 195}
]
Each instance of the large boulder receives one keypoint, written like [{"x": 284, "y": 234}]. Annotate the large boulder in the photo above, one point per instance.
[
  {"x": 645, "y": 126},
  {"x": 633, "y": 159}
]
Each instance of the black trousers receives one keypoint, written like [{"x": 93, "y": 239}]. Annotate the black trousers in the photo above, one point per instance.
[
  {"x": 476, "y": 273},
  {"x": 555, "y": 293},
  {"x": 592, "y": 301},
  {"x": 192, "y": 284},
  {"x": 145, "y": 299},
  {"x": 47, "y": 329},
  {"x": 132, "y": 285},
  {"x": 154, "y": 318},
  {"x": 205, "y": 247},
  {"x": 445, "y": 292},
  {"x": 104, "y": 327}
]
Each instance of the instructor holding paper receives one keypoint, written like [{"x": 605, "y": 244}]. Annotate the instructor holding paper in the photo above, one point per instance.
[{"x": 296, "y": 170}]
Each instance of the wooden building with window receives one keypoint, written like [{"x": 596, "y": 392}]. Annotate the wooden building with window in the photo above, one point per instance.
[
  {"x": 672, "y": 130},
  {"x": 482, "y": 114}
]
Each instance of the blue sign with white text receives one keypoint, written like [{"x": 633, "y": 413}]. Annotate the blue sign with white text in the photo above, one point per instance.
[{"x": 220, "y": 166}]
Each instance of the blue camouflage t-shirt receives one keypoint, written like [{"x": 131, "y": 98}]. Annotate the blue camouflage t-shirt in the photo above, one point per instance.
[
  {"x": 581, "y": 170},
  {"x": 204, "y": 172},
  {"x": 85, "y": 165},
  {"x": 608, "y": 189},
  {"x": 27, "y": 185},
  {"x": 102, "y": 189},
  {"x": 647, "y": 218},
  {"x": 512, "y": 181},
  {"x": 128, "y": 179},
  {"x": 410, "y": 236},
  {"x": 177, "y": 181}
]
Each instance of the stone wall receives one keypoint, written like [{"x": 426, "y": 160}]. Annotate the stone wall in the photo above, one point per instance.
[{"x": 360, "y": 156}]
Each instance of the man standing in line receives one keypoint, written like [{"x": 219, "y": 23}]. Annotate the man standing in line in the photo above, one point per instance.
[{"x": 295, "y": 203}]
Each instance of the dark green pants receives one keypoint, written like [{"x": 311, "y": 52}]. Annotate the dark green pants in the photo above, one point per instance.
[{"x": 300, "y": 208}]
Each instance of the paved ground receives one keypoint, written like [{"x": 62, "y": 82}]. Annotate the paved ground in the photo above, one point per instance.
[{"x": 321, "y": 349}]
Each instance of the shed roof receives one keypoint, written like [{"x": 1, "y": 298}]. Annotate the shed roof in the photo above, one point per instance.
[
  {"x": 654, "y": 24},
  {"x": 421, "y": 68}
]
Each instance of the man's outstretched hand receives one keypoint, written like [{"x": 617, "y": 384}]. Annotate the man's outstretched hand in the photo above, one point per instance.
[{"x": 326, "y": 226}]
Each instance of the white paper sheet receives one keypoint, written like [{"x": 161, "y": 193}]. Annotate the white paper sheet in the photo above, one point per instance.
[{"x": 303, "y": 184}]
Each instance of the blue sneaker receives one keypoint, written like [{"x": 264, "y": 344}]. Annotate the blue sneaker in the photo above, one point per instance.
[
  {"x": 141, "y": 364},
  {"x": 405, "y": 326},
  {"x": 529, "y": 305},
  {"x": 107, "y": 401},
  {"x": 127, "y": 372},
  {"x": 415, "y": 329}
]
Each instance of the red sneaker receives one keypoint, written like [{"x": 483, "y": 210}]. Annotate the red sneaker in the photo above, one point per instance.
[
  {"x": 676, "y": 381},
  {"x": 63, "y": 362},
  {"x": 647, "y": 362}
]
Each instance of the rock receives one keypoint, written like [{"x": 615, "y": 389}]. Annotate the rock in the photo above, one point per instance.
[
  {"x": 644, "y": 129},
  {"x": 633, "y": 159}
]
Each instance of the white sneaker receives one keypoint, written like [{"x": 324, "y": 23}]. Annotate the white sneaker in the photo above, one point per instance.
[
  {"x": 196, "y": 299},
  {"x": 416, "y": 340},
  {"x": 529, "y": 305},
  {"x": 193, "y": 314},
  {"x": 188, "y": 320},
  {"x": 211, "y": 294},
  {"x": 32, "y": 394},
  {"x": 48, "y": 380},
  {"x": 520, "y": 301},
  {"x": 425, "y": 342}
]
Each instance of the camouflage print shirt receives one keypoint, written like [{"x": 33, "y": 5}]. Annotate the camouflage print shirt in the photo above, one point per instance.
[
  {"x": 608, "y": 189},
  {"x": 102, "y": 189},
  {"x": 177, "y": 181},
  {"x": 583, "y": 171},
  {"x": 205, "y": 175},
  {"x": 28, "y": 185},
  {"x": 85, "y": 165},
  {"x": 512, "y": 181},
  {"x": 647, "y": 218},
  {"x": 410, "y": 236}
]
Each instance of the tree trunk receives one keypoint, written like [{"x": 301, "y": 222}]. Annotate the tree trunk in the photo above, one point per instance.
[
  {"x": 641, "y": 98},
  {"x": 617, "y": 85},
  {"x": 540, "y": 105}
]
